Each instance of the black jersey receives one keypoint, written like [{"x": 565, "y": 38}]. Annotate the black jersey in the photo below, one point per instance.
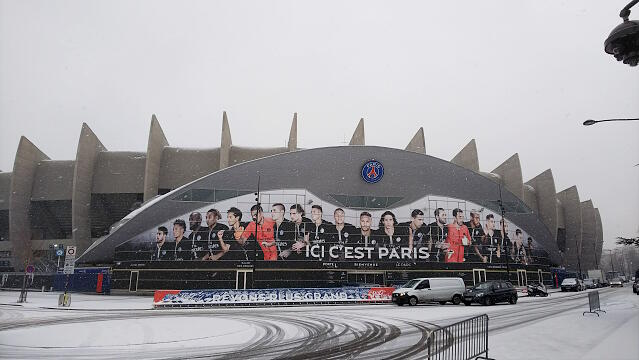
[
  {"x": 489, "y": 245},
  {"x": 436, "y": 238},
  {"x": 161, "y": 253},
  {"x": 322, "y": 235},
  {"x": 476, "y": 236},
  {"x": 198, "y": 241},
  {"x": 398, "y": 240},
  {"x": 520, "y": 253},
  {"x": 181, "y": 250},
  {"x": 284, "y": 236},
  {"x": 346, "y": 236},
  {"x": 213, "y": 246},
  {"x": 420, "y": 235},
  {"x": 237, "y": 252},
  {"x": 363, "y": 240}
]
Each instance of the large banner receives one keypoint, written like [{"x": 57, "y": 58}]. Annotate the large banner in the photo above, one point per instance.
[
  {"x": 296, "y": 225},
  {"x": 187, "y": 298}
]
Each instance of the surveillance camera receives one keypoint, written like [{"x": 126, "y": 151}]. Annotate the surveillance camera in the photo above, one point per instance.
[{"x": 623, "y": 42}]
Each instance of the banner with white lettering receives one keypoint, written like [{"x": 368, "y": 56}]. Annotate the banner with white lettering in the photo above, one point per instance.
[{"x": 176, "y": 298}]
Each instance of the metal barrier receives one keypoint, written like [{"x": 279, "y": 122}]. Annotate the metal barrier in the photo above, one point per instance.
[
  {"x": 593, "y": 302},
  {"x": 465, "y": 339}
]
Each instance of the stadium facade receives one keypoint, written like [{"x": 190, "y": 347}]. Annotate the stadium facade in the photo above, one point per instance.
[{"x": 110, "y": 204}]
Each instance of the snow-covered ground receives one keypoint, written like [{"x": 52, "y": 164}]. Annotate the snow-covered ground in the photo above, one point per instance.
[{"x": 127, "y": 326}]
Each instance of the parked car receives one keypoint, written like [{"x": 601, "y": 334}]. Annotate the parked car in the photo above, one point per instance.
[
  {"x": 572, "y": 284},
  {"x": 635, "y": 286},
  {"x": 424, "y": 290},
  {"x": 491, "y": 292},
  {"x": 590, "y": 284},
  {"x": 616, "y": 282}
]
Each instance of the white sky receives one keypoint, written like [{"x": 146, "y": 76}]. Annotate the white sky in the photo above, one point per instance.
[{"x": 516, "y": 76}]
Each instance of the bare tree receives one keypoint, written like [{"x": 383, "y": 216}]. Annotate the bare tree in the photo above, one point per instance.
[{"x": 628, "y": 241}]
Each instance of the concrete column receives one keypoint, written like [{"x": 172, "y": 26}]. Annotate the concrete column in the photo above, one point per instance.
[
  {"x": 546, "y": 195},
  {"x": 467, "y": 157},
  {"x": 24, "y": 170},
  {"x": 417, "y": 143},
  {"x": 292, "y": 135},
  {"x": 226, "y": 143},
  {"x": 358, "y": 137},
  {"x": 588, "y": 235},
  {"x": 89, "y": 146},
  {"x": 572, "y": 218},
  {"x": 155, "y": 146},
  {"x": 510, "y": 173}
]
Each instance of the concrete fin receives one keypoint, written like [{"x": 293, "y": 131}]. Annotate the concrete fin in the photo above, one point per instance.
[
  {"x": 417, "y": 143},
  {"x": 292, "y": 135},
  {"x": 546, "y": 193},
  {"x": 156, "y": 144},
  {"x": 467, "y": 157},
  {"x": 510, "y": 173},
  {"x": 573, "y": 224},
  {"x": 226, "y": 143},
  {"x": 20, "y": 189},
  {"x": 89, "y": 146},
  {"x": 599, "y": 247},
  {"x": 358, "y": 137},
  {"x": 588, "y": 235}
]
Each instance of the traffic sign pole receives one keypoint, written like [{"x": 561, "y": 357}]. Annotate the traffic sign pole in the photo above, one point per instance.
[{"x": 69, "y": 267}]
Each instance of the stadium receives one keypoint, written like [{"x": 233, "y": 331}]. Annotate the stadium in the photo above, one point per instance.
[{"x": 289, "y": 217}]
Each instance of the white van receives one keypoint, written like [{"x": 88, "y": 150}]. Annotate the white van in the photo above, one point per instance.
[{"x": 425, "y": 290}]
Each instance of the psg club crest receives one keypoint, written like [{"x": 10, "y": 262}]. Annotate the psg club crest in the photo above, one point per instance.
[{"x": 372, "y": 171}]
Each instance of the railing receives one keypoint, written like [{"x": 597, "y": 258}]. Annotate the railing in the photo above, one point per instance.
[
  {"x": 593, "y": 302},
  {"x": 465, "y": 339}
]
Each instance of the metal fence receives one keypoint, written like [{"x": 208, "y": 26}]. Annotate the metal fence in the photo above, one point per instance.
[
  {"x": 593, "y": 302},
  {"x": 467, "y": 339}
]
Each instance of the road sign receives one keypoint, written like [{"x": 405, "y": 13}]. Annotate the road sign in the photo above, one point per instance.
[
  {"x": 59, "y": 252},
  {"x": 70, "y": 252},
  {"x": 69, "y": 260},
  {"x": 30, "y": 268}
]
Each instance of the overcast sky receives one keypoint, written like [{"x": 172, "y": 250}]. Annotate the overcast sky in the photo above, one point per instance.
[{"x": 519, "y": 77}]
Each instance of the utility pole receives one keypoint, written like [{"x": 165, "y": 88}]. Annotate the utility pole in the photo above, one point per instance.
[
  {"x": 255, "y": 244},
  {"x": 503, "y": 233}
]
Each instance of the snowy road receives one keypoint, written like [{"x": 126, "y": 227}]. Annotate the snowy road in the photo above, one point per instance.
[{"x": 115, "y": 327}]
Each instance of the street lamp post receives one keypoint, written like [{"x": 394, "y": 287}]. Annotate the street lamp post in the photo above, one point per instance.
[
  {"x": 612, "y": 262},
  {"x": 592, "y": 122}
]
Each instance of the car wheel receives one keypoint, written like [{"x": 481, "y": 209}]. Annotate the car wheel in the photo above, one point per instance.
[
  {"x": 442, "y": 303},
  {"x": 488, "y": 301},
  {"x": 513, "y": 299},
  {"x": 467, "y": 303},
  {"x": 457, "y": 299},
  {"x": 400, "y": 304},
  {"x": 412, "y": 301}
]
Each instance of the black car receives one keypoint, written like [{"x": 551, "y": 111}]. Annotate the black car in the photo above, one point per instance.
[
  {"x": 491, "y": 292},
  {"x": 572, "y": 284},
  {"x": 635, "y": 287}
]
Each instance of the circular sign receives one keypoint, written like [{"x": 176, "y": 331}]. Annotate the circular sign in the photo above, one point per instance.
[
  {"x": 372, "y": 171},
  {"x": 59, "y": 252},
  {"x": 30, "y": 268},
  {"x": 71, "y": 250}
]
